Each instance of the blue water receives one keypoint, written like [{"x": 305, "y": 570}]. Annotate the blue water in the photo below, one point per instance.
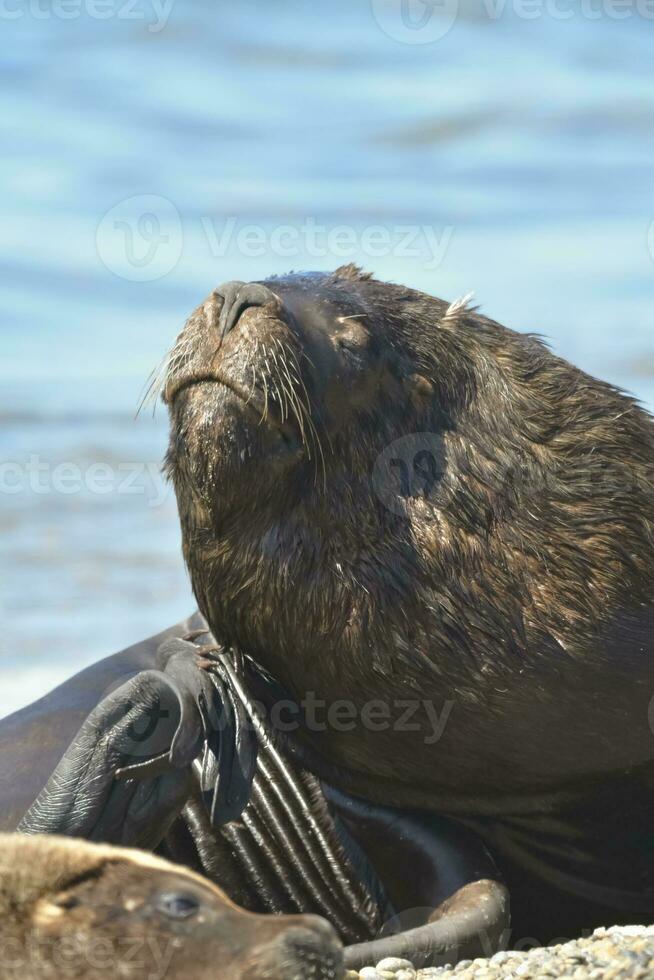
[{"x": 526, "y": 146}]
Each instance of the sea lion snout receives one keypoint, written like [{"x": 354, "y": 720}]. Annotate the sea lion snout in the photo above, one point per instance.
[
  {"x": 307, "y": 947},
  {"x": 275, "y": 370},
  {"x": 265, "y": 378}
]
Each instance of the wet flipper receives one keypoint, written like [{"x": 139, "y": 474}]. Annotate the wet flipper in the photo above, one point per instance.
[
  {"x": 127, "y": 773},
  {"x": 131, "y": 729},
  {"x": 227, "y": 774},
  {"x": 194, "y": 694},
  {"x": 474, "y": 922}
]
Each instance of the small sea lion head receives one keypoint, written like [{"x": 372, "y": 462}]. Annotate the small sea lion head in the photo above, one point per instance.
[{"x": 89, "y": 910}]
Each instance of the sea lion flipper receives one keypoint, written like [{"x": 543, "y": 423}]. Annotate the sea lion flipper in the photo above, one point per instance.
[
  {"x": 195, "y": 695},
  {"x": 142, "y": 737},
  {"x": 219, "y": 808},
  {"x": 230, "y": 757},
  {"x": 473, "y": 922},
  {"x": 210, "y": 696},
  {"x": 245, "y": 754},
  {"x": 210, "y": 775},
  {"x": 131, "y": 727}
]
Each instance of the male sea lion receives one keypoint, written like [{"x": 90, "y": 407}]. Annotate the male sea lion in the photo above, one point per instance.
[
  {"x": 387, "y": 499},
  {"x": 73, "y": 909}
]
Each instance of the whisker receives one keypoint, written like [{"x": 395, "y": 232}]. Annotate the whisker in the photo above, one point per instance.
[
  {"x": 291, "y": 353},
  {"x": 270, "y": 375},
  {"x": 153, "y": 386},
  {"x": 295, "y": 402},
  {"x": 297, "y": 375},
  {"x": 305, "y": 412},
  {"x": 284, "y": 406},
  {"x": 167, "y": 369},
  {"x": 265, "y": 394}
]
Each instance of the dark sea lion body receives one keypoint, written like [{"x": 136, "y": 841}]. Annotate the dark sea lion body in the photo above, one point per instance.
[
  {"x": 299, "y": 846},
  {"x": 70, "y": 909},
  {"x": 512, "y": 589}
]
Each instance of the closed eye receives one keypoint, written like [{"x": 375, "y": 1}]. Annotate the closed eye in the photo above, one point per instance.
[{"x": 347, "y": 343}]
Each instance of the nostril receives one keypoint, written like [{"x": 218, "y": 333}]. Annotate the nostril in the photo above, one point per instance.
[
  {"x": 308, "y": 948},
  {"x": 228, "y": 293},
  {"x": 237, "y": 297},
  {"x": 314, "y": 942}
]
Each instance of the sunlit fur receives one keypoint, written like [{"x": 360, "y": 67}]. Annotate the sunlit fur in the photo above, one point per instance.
[{"x": 521, "y": 589}]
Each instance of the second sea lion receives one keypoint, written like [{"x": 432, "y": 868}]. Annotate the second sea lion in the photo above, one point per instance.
[{"x": 70, "y": 909}]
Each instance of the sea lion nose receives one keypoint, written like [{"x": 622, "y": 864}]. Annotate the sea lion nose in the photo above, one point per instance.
[
  {"x": 237, "y": 297},
  {"x": 304, "y": 947}
]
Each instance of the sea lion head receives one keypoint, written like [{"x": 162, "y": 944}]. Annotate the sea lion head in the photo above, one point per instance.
[
  {"x": 70, "y": 908},
  {"x": 294, "y": 385},
  {"x": 282, "y": 396}
]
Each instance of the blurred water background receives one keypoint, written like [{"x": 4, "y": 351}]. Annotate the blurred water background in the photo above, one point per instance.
[{"x": 154, "y": 150}]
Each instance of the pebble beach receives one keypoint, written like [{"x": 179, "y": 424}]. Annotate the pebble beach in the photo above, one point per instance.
[{"x": 617, "y": 953}]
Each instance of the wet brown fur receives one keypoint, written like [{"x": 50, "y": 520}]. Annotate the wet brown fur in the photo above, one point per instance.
[
  {"x": 521, "y": 590},
  {"x": 70, "y": 909},
  {"x": 517, "y": 595}
]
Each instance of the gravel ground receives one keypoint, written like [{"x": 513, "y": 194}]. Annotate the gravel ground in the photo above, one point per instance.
[{"x": 609, "y": 954}]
